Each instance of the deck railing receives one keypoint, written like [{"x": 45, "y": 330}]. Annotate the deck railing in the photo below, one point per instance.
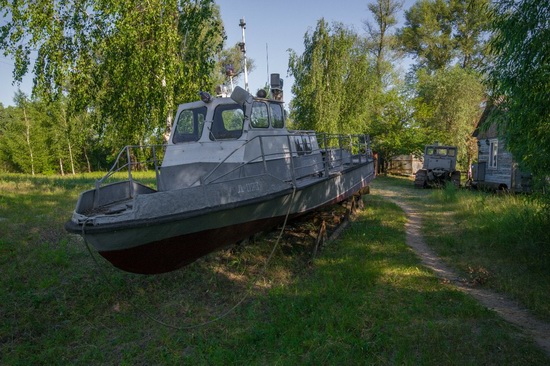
[{"x": 336, "y": 151}]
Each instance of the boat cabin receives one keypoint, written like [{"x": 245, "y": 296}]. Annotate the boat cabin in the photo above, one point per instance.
[{"x": 235, "y": 137}]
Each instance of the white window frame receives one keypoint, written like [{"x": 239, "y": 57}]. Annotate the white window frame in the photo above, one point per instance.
[{"x": 493, "y": 154}]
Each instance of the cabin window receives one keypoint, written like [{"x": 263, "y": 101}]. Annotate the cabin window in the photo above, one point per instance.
[
  {"x": 493, "y": 154},
  {"x": 228, "y": 122},
  {"x": 189, "y": 125},
  {"x": 277, "y": 115},
  {"x": 259, "y": 117}
]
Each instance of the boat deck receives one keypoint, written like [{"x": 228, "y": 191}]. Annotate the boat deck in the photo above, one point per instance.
[{"x": 111, "y": 209}]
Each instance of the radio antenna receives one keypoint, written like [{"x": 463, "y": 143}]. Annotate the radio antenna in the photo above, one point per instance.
[
  {"x": 242, "y": 24},
  {"x": 267, "y": 61}
]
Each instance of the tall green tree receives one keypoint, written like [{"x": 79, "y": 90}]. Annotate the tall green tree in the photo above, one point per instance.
[
  {"x": 440, "y": 33},
  {"x": 128, "y": 61},
  {"x": 394, "y": 130},
  {"x": 23, "y": 139},
  {"x": 382, "y": 43},
  {"x": 333, "y": 79},
  {"x": 448, "y": 106},
  {"x": 471, "y": 23},
  {"x": 391, "y": 126},
  {"x": 520, "y": 80}
]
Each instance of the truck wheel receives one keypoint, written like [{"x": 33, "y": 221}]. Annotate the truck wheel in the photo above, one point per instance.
[
  {"x": 455, "y": 178},
  {"x": 421, "y": 179}
]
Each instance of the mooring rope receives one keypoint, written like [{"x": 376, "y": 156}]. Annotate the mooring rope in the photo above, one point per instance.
[{"x": 222, "y": 315}]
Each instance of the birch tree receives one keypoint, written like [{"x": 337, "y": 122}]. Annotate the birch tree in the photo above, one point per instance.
[{"x": 127, "y": 61}]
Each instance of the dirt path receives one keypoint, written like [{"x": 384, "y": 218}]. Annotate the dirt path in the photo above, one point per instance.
[{"x": 505, "y": 307}]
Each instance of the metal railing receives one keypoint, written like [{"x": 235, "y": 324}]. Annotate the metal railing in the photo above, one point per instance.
[{"x": 336, "y": 151}]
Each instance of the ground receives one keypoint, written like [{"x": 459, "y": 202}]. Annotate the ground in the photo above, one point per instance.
[{"x": 505, "y": 307}]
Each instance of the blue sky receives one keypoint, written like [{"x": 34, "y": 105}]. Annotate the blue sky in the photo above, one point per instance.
[{"x": 281, "y": 24}]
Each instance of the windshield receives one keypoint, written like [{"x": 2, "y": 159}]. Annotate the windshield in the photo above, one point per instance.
[
  {"x": 228, "y": 122},
  {"x": 189, "y": 125}
]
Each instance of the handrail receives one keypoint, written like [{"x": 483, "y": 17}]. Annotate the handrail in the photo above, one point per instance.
[
  {"x": 357, "y": 146},
  {"x": 290, "y": 152},
  {"x": 125, "y": 151}
]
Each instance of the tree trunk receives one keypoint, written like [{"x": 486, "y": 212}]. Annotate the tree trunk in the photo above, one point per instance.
[
  {"x": 87, "y": 161},
  {"x": 28, "y": 139},
  {"x": 71, "y": 156},
  {"x": 61, "y": 166}
]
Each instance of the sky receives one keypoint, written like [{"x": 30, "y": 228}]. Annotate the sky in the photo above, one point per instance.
[{"x": 276, "y": 25}]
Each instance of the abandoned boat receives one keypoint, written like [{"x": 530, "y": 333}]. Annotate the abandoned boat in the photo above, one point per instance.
[{"x": 231, "y": 168}]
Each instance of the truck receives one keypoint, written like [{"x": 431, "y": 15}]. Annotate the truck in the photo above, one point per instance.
[{"x": 438, "y": 167}]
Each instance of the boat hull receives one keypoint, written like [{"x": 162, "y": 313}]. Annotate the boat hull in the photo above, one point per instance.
[{"x": 160, "y": 245}]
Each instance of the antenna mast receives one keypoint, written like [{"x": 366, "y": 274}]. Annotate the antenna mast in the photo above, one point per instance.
[
  {"x": 242, "y": 24},
  {"x": 267, "y": 62}
]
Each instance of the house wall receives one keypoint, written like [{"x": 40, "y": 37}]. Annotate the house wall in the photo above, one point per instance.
[{"x": 502, "y": 174}]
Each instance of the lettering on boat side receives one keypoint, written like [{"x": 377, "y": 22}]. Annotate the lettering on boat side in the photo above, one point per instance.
[{"x": 249, "y": 187}]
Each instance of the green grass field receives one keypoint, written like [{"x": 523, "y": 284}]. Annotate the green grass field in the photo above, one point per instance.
[
  {"x": 499, "y": 241},
  {"x": 365, "y": 298}
]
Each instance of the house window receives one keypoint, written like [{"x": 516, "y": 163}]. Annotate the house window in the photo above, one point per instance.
[{"x": 493, "y": 154}]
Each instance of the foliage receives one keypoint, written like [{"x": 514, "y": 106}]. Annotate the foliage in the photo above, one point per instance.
[
  {"x": 128, "y": 61},
  {"x": 23, "y": 144},
  {"x": 332, "y": 81},
  {"x": 40, "y": 137},
  {"x": 394, "y": 130},
  {"x": 439, "y": 33},
  {"x": 448, "y": 105},
  {"x": 520, "y": 80},
  {"x": 232, "y": 57},
  {"x": 380, "y": 41}
]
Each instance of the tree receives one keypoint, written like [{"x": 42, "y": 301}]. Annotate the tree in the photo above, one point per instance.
[
  {"x": 333, "y": 78},
  {"x": 520, "y": 79},
  {"x": 448, "y": 105},
  {"x": 471, "y": 20},
  {"x": 231, "y": 57},
  {"x": 23, "y": 139},
  {"x": 427, "y": 34},
  {"x": 381, "y": 42},
  {"x": 439, "y": 33},
  {"x": 128, "y": 61},
  {"x": 394, "y": 130}
]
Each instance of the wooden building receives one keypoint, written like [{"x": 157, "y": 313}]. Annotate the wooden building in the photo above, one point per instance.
[{"x": 496, "y": 167}]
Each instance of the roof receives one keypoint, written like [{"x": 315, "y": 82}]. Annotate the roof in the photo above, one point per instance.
[{"x": 486, "y": 127}]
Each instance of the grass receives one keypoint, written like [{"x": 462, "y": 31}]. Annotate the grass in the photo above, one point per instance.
[
  {"x": 499, "y": 241},
  {"x": 365, "y": 299}
]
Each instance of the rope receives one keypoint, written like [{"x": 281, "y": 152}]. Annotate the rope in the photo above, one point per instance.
[{"x": 222, "y": 315}]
